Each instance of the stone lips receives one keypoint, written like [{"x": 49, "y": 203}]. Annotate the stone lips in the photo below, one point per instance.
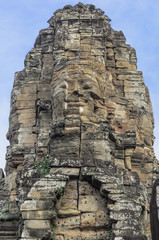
[{"x": 81, "y": 102}]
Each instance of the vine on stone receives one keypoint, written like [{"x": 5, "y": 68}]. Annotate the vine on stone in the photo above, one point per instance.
[
  {"x": 43, "y": 166},
  {"x": 59, "y": 193},
  {"x": 53, "y": 227}
]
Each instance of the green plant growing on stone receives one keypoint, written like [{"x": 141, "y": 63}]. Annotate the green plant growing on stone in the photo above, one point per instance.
[
  {"x": 4, "y": 210},
  {"x": 43, "y": 166},
  {"x": 110, "y": 235},
  {"x": 53, "y": 228},
  {"x": 59, "y": 193},
  {"x": 92, "y": 173},
  {"x": 110, "y": 232}
]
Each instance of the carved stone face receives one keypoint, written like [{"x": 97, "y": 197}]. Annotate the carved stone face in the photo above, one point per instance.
[{"x": 79, "y": 92}]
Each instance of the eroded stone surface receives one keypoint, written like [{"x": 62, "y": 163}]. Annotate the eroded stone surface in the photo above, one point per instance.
[
  {"x": 81, "y": 104},
  {"x": 92, "y": 212}
]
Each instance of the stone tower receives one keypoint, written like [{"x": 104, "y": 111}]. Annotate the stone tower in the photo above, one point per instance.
[{"x": 80, "y": 164}]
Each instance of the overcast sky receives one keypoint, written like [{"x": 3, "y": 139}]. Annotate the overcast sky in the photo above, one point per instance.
[{"x": 21, "y": 21}]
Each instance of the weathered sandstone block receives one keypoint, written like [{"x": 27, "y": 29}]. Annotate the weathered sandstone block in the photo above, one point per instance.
[{"x": 80, "y": 164}]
